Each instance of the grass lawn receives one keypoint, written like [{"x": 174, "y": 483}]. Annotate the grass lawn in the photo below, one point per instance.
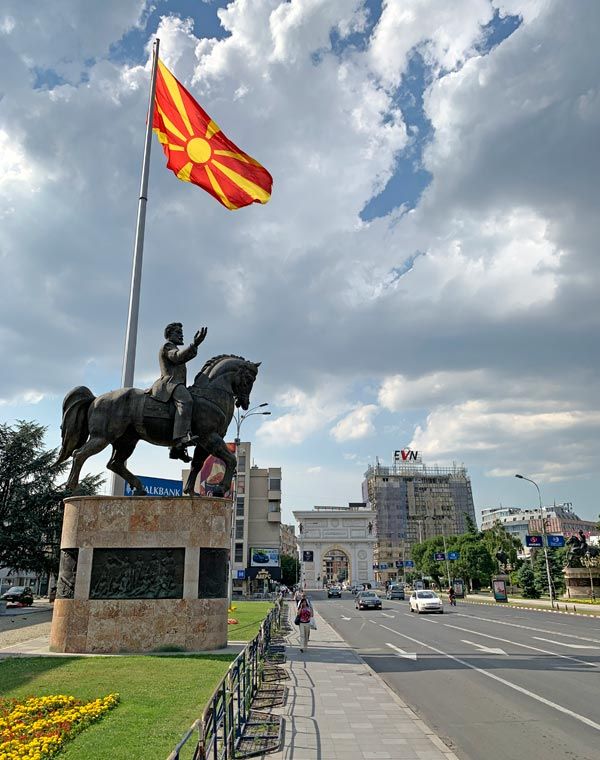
[
  {"x": 160, "y": 698},
  {"x": 249, "y": 616}
]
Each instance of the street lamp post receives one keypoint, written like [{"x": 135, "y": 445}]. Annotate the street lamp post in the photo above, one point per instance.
[
  {"x": 239, "y": 419},
  {"x": 544, "y": 537}
]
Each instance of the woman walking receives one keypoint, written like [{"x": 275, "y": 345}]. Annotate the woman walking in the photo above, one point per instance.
[{"x": 305, "y": 614}]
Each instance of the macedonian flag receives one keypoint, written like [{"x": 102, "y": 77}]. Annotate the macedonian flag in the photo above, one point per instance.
[{"x": 198, "y": 152}]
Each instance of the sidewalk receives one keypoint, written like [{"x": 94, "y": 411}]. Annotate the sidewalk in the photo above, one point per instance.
[{"x": 339, "y": 709}]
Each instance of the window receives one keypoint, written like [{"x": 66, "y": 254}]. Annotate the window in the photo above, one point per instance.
[
  {"x": 239, "y": 510},
  {"x": 241, "y": 464},
  {"x": 274, "y": 484},
  {"x": 239, "y": 553},
  {"x": 239, "y": 529},
  {"x": 274, "y": 506}
]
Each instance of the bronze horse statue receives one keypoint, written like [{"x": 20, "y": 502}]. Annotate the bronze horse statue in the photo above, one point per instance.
[
  {"x": 578, "y": 549},
  {"x": 126, "y": 416}
]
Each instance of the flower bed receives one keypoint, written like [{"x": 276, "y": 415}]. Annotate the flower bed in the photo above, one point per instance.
[{"x": 37, "y": 728}]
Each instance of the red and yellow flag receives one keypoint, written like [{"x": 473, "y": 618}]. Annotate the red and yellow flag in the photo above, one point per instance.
[{"x": 198, "y": 152}]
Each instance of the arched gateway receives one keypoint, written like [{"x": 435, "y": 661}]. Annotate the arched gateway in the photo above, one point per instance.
[{"x": 336, "y": 544}]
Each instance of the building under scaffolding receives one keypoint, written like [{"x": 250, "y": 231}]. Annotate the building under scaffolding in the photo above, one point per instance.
[{"x": 413, "y": 502}]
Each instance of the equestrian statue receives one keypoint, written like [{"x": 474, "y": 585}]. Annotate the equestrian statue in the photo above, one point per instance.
[
  {"x": 579, "y": 549},
  {"x": 168, "y": 414}
]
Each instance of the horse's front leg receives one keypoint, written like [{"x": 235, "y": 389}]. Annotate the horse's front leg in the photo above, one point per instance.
[
  {"x": 218, "y": 448},
  {"x": 198, "y": 460}
]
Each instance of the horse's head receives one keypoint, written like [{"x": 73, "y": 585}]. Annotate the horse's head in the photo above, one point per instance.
[
  {"x": 243, "y": 382},
  {"x": 234, "y": 373},
  {"x": 573, "y": 541}
]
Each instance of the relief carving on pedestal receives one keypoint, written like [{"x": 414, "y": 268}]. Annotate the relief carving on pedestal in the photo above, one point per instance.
[
  {"x": 137, "y": 574},
  {"x": 212, "y": 575},
  {"x": 65, "y": 587}
]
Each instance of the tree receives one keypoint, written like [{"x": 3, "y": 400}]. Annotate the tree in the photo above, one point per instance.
[
  {"x": 498, "y": 539},
  {"x": 476, "y": 564},
  {"x": 526, "y": 581},
  {"x": 556, "y": 563},
  {"x": 471, "y": 526},
  {"x": 31, "y": 508},
  {"x": 289, "y": 570}
]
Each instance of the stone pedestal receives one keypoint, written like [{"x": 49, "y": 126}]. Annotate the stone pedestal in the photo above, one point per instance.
[
  {"x": 140, "y": 574},
  {"x": 579, "y": 586}
]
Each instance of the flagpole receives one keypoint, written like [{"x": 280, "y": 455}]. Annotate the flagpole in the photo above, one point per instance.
[{"x": 138, "y": 251}]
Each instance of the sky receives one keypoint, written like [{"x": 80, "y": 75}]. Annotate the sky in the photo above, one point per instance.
[{"x": 425, "y": 274}]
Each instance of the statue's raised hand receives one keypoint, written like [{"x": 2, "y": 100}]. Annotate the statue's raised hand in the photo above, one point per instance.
[{"x": 199, "y": 336}]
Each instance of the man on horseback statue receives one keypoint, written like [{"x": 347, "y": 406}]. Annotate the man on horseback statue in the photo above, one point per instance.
[{"x": 172, "y": 384}]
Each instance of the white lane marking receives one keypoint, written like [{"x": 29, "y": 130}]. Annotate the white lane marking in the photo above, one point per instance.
[
  {"x": 529, "y": 628},
  {"x": 402, "y": 653},
  {"x": 488, "y": 650},
  {"x": 345, "y": 618},
  {"x": 510, "y": 684},
  {"x": 524, "y": 646},
  {"x": 564, "y": 643},
  {"x": 386, "y": 615},
  {"x": 372, "y": 621}
]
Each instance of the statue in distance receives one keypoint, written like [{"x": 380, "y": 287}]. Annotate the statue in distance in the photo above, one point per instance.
[{"x": 125, "y": 416}]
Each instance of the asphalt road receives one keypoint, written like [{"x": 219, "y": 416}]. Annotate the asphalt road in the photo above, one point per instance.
[{"x": 493, "y": 682}]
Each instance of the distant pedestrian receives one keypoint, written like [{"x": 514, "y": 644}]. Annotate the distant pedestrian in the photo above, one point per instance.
[
  {"x": 305, "y": 614},
  {"x": 298, "y": 596}
]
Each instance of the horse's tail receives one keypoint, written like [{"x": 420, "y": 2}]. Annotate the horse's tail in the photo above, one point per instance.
[{"x": 75, "y": 421}]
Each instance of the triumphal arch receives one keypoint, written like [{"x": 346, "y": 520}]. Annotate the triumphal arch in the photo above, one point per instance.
[{"x": 336, "y": 545}]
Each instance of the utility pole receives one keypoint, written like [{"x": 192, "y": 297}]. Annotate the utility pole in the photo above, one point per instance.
[
  {"x": 238, "y": 424},
  {"x": 544, "y": 538}
]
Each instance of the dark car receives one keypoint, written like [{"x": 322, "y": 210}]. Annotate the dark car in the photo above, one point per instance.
[
  {"x": 18, "y": 594},
  {"x": 334, "y": 591},
  {"x": 368, "y": 600},
  {"x": 261, "y": 558}
]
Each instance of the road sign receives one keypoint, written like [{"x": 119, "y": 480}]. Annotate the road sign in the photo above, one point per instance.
[
  {"x": 308, "y": 556},
  {"x": 535, "y": 541},
  {"x": 556, "y": 541},
  {"x": 409, "y": 563},
  {"x": 453, "y": 555},
  {"x": 241, "y": 574},
  {"x": 399, "y": 563},
  {"x": 383, "y": 566},
  {"x": 439, "y": 556}
]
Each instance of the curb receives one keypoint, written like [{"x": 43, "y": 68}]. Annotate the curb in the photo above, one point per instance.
[{"x": 512, "y": 606}]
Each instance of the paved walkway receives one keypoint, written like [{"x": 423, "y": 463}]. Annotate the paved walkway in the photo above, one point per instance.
[{"x": 339, "y": 709}]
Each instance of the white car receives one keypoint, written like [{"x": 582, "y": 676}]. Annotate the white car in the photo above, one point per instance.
[{"x": 425, "y": 601}]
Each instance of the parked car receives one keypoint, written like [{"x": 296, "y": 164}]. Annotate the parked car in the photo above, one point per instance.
[
  {"x": 334, "y": 591},
  {"x": 425, "y": 601},
  {"x": 395, "y": 591},
  {"x": 367, "y": 600},
  {"x": 21, "y": 594}
]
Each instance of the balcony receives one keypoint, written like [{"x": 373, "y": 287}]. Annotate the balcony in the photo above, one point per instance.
[{"x": 274, "y": 517}]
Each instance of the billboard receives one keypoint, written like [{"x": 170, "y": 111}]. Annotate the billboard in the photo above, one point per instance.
[
  {"x": 158, "y": 487},
  {"x": 533, "y": 541},
  {"x": 211, "y": 475},
  {"x": 263, "y": 557}
]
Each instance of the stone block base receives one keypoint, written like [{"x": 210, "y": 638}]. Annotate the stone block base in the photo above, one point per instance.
[
  {"x": 140, "y": 574},
  {"x": 138, "y": 625}
]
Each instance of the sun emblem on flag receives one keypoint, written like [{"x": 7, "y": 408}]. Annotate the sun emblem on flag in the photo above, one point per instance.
[{"x": 199, "y": 152}]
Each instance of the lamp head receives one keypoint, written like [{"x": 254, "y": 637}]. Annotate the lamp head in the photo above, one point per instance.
[{"x": 519, "y": 476}]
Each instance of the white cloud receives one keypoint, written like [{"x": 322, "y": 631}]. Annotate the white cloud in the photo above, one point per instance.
[
  {"x": 308, "y": 415},
  {"x": 357, "y": 424},
  {"x": 497, "y": 319}
]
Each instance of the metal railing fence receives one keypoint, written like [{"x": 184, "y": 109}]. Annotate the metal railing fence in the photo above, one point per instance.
[{"x": 228, "y": 710}]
